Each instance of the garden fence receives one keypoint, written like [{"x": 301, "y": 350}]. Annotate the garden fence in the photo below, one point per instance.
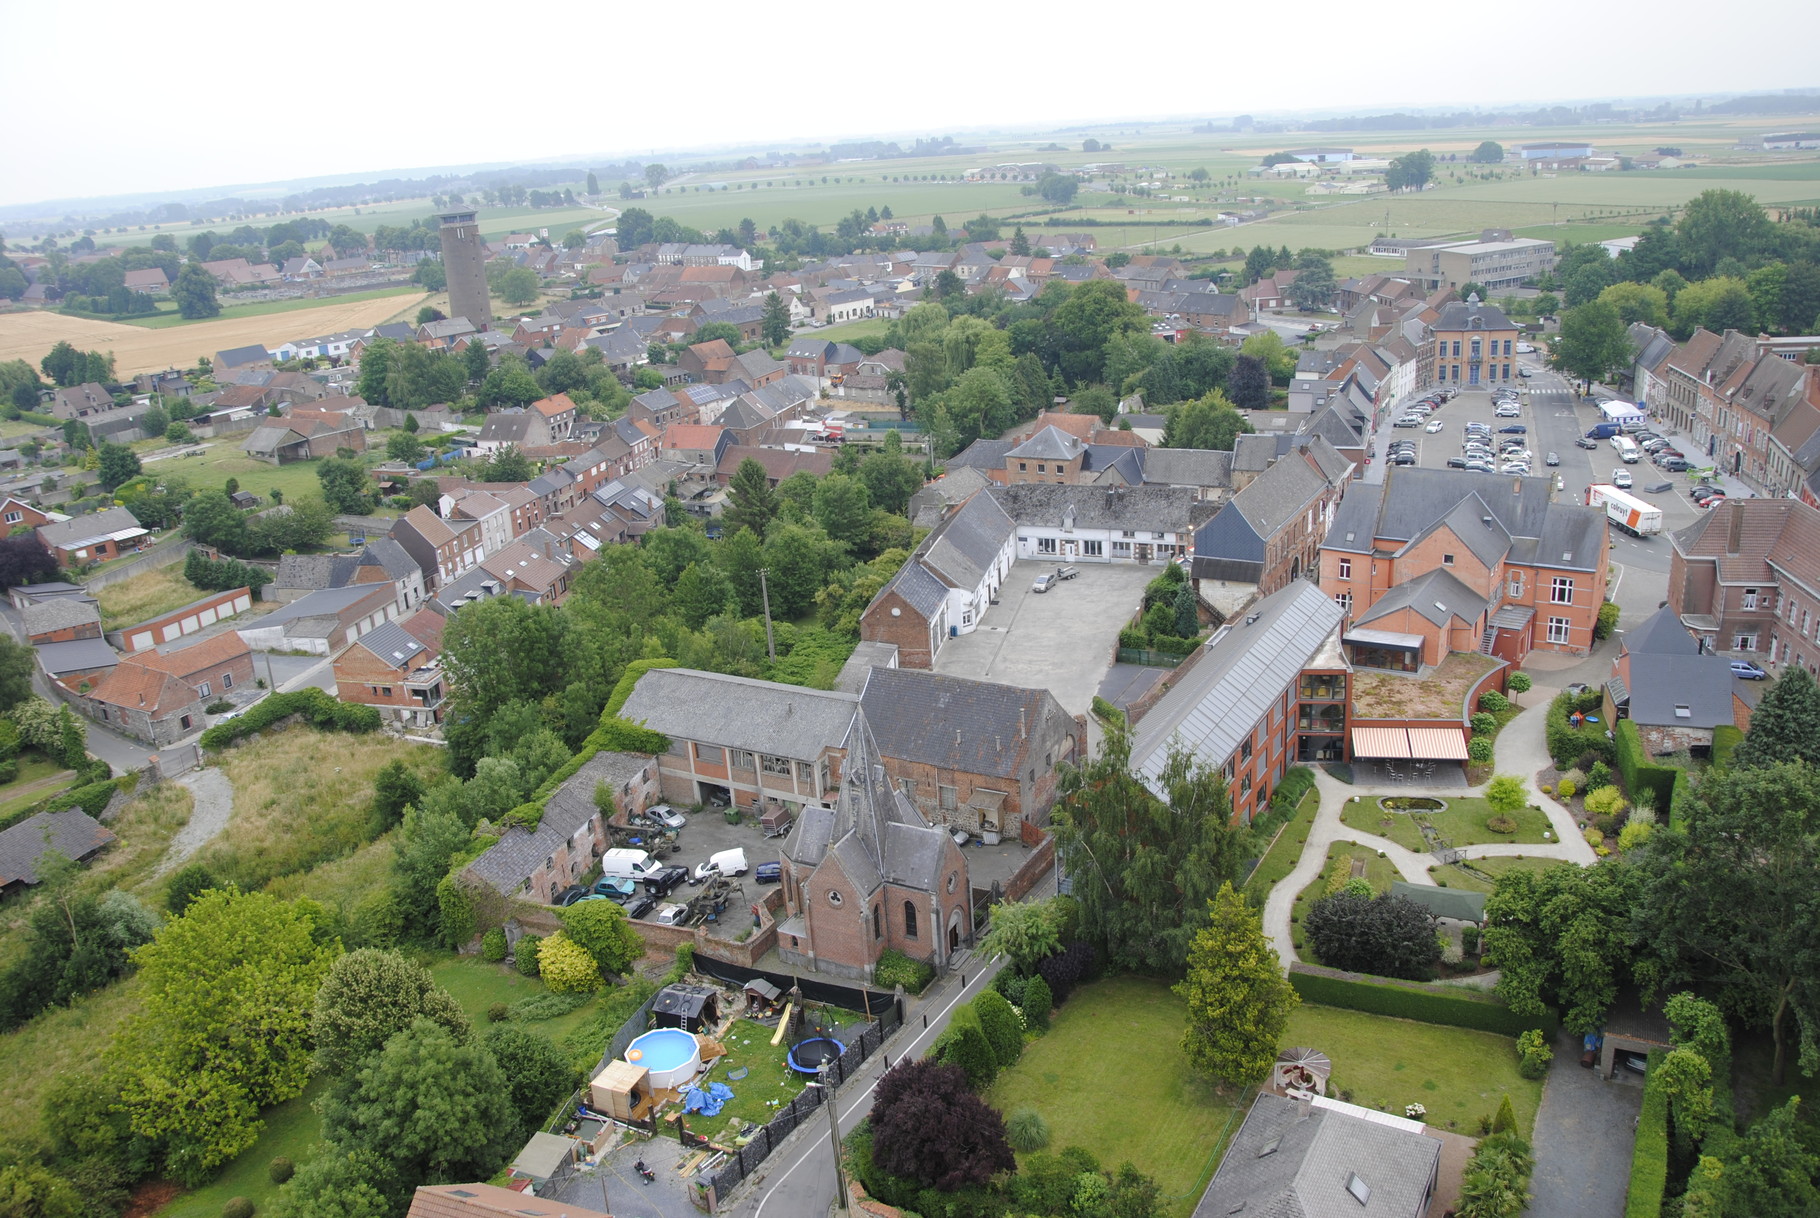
[
  {"x": 768, "y": 1138},
  {"x": 1149, "y": 658}
]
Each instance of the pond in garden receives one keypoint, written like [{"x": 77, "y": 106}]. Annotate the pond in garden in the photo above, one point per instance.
[{"x": 1411, "y": 803}]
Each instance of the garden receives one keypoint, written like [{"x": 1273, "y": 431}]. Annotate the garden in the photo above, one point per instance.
[{"x": 1461, "y": 821}]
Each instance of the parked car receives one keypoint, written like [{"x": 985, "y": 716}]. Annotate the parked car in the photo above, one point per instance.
[
  {"x": 1552, "y": 459},
  {"x": 1456, "y": 463},
  {"x": 1747, "y": 670},
  {"x": 665, "y": 815},
  {"x": 1515, "y": 429},
  {"x": 664, "y": 880},
  {"x": 768, "y": 873},
  {"x": 1703, "y": 492},
  {"x": 671, "y": 915},
  {"x": 638, "y": 907},
  {"x": 1408, "y": 420},
  {"x": 726, "y": 862},
  {"x": 1621, "y": 479},
  {"x": 1673, "y": 465},
  {"x": 1044, "y": 582},
  {"x": 1434, "y": 425},
  {"x": 1479, "y": 467},
  {"x": 616, "y": 888},
  {"x": 1404, "y": 458},
  {"x": 570, "y": 895},
  {"x": 1585, "y": 442}
]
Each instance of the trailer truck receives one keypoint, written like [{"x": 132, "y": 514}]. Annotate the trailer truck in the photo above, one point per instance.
[{"x": 1635, "y": 516}]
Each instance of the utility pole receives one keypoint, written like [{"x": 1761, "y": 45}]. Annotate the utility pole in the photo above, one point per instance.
[
  {"x": 840, "y": 1177},
  {"x": 764, "y": 590}
]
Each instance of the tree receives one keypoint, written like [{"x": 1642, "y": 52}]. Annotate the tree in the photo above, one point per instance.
[
  {"x": 1145, "y": 868},
  {"x": 1020, "y": 244},
  {"x": 1411, "y": 171},
  {"x": 367, "y": 998},
  {"x": 188, "y": 884},
  {"x": 1210, "y": 422},
  {"x": 1774, "y": 1169},
  {"x": 1638, "y": 302},
  {"x": 1593, "y": 342},
  {"x": 1389, "y": 936},
  {"x": 1003, "y": 1030},
  {"x": 23, "y": 561},
  {"x": 655, "y": 175},
  {"x": 602, "y": 930},
  {"x": 403, "y": 446},
  {"x": 1505, "y": 793},
  {"x": 1561, "y": 936},
  {"x": 1718, "y": 224},
  {"x": 337, "y": 1185},
  {"x": 539, "y": 1076},
  {"x": 222, "y": 1028},
  {"x": 18, "y": 664},
  {"x": 475, "y": 361},
  {"x": 1314, "y": 284},
  {"x": 1026, "y": 931},
  {"x": 1084, "y": 324},
  {"x": 194, "y": 293},
  {"x": 1786, "y": 724},
  {"x": 345, "y": 486},
  {"x": 593, "y": 183},
  {"x": 433, "y": 1108},
  {"x": 30, "y": 1191},
  {"x": 517, "y": 286},
  {"x": 927, "y": 1126},
  {"x": 431, "y": 276},
  {"x": 1720, "y": 303},
  {"x": 118, "y": 464},
  {"x": 1238, "y": 999},
  {"x": 77, "y": 943},
  {"x": 508, "y": 465},
  {"x": 844, "y": 509},
  {"x": 775, "y": 325},
  {"x": 1489, "y": 152},
  {"x": 1248, "y": 385},
  {"x": 1724, "y": 893},
  {"x": 154, "y": 421},
  {"x": 565, "y": 965},
  {"x": 751, "y": 502},
  {"x": 395, "y": 788}
]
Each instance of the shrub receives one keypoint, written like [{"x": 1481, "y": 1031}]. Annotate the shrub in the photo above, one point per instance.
[
  {"x": 317, "y": 708},
  {"x": 1533, "y": 1054},
  {"x": 493, "y": 945},
  {"x": 895, "y": 969},
  {"x": 1520, "y": 683},
  {"x": 238, "y": 1207},
  {"x": 281, "y": 1169},
  {"x": 1649, "y": 1154},
  {"x": 1026, "y": 1130},
  {"x": 1388, "y": 936},
  {"x": 220, "y": 706},
  {"x": 1038, "y": 1003},
  {"x": 1565, "y": 789},
  {"x": 1484, "y": 723},
  {"x": 1599, "y": 775},
  {"x": 1479, "y": 749},
  {"x": 1012, "y": 986},
  {"x": 1604, "y": 801},
  {"x": 1608, "y": 620},
  {"x": 1004, "y": 1030},
  {"x": 1547, "y": 789},
  {"x": 1593, "y": 837},
  {"x": 566, "y": 967},
  {"x": 524, "y": 955},
  {"x": 964, "y": 1044},
  {"x": 1469, "y": 939},
  {"x": 498, "y": 1012},
  {"x": 1501, "y": 824},
  {"x": 1493, "y": 701},
  {"x": 1457, "y": 1008}
]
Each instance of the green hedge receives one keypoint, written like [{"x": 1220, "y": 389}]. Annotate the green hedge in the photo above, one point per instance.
[
  {"x": 1726, "y": 739},
  {"x": 1412, "y": 1000},
  {"x": 317, "y": 708},
  {"x": 1639, "y": 772},
  {"x": 1297, "y": 782},
  {"x": 1566, "y": 743},
  {"x": 1649, "y": 1156}
]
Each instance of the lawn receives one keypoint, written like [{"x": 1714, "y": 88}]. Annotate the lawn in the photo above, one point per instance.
[
  {"x": 291, "y": 1131},
  {"x": 1453, "y": 877},
  {"x": 477, "y": 985},
  {"x": 1379, "y": 873},
  {"x": 229, "y": 310},
  {"x": 225, "y": 459},
  {"x": 1284, "y": 852},
  {"x": 1461, "y": 823},
  {"x": 34, "y": 782},
  {"x": 1156, "y": 1112},
  {"x": 1456, "y": 1074},
  {"x": 144, "y": 596},
  {"x": 769, "y": 1083},
  {"x": 849, "y": 331}
]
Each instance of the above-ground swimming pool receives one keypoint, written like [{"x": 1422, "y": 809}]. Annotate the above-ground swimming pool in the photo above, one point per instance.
[{"x": 670, "y": 1054}]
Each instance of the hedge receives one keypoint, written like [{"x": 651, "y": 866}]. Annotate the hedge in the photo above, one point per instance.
[
  {"x": 1726, "y": 738},
  {"x": 1412, "y": 1000},
  {"x": 1640, "y": 773},
  {"x": 317, "y": 708},
  {"x": 1649, "y": 1156},
  {"x": 614, "y": 735},
  {"x": 1566, "y": 743}
]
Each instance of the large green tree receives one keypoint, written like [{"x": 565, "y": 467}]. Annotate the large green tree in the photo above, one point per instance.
[
  {"x": 775, "y": 324},
  {"x": 222, "y": 1028},
  {"x": 194, "y": 293},
  {"x": 18, "y": 664},
  {"x": 1145, "y": 867},
  {"x": 367, "y": 998},
  {"x": 118, "y": 464},
  {"x": 1561, "y": 936},
  {"x": 1086, "y": 321},
  {"x": 345, "y": 486},
  {"x": 1786, "y": 724},
  {"x": 1208, "y": 422},
  {"x": 603, "y": 931},
  {"x": 1238, "y": 999},
  {"x": 1593, "y": 343},
  {"x": 751, "y": 502},
  {"x": 539, "y": 1076},
  {"x": 1718, "y": 224}
]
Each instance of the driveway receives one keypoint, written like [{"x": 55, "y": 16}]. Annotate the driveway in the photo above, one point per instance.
[{"x": 1585, "y": 1130}]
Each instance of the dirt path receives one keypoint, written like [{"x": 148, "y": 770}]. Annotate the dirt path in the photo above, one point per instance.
[
  {"x": 214, "y": 796},
  {"x": 28, "y": 336},
  {"x": 42, "y": 784}
]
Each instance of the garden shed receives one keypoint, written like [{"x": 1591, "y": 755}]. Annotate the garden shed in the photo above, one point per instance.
[
  {"x": 1455, "y": 903},
  {"x": 689, "y": 1007},
  {"x": 547, "y": 1161},
  {"x": 620, "y": 1091}
]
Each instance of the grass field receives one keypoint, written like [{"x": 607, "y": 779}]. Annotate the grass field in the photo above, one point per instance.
[
  {"x": 1157, "y": 1114},
  {"x": 63, "y": 1040},
  {"x": 33, "y": 783},
  {"x": 143, "y": 596},
  {"x": 224, "y": 459},
  {"x": 291, "y": 1131},
  {"x": 1285, "y": 852},
  {"x": 850, "y": 331},
  {"x": 1461, "y": 822},
  {"x": 1456, "y": 1074},
  {"x": 229, "y": 311},
  {"x": 769, "y": 1081}
]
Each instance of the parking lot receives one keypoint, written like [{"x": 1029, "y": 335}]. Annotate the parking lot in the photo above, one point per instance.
[{"x": 706, "y": 834}]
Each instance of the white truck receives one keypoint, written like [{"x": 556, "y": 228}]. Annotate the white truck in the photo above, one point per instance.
[{"x": 1635, "y": 516}]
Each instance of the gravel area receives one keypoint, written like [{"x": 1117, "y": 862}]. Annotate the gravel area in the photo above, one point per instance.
[{"x": 214, "y": 796}]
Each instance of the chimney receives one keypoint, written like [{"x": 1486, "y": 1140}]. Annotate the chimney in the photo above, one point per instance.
[
  {"x": 957, "y": 736},
  {"x": 1022, "y": 734}
]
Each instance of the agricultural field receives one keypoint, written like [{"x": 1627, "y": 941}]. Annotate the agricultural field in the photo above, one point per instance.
[{"x": 167, "y": 318}]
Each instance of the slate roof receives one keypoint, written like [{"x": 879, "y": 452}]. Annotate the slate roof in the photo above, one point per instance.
[
  {"x": 951, "y": 722},
  {"x": 74, "y": 834},
  {"x": 391, "y": 644},
  {"x": 981, "y": 454},
  {"x": 1049, "y": 444},
  {"x": 1199, "y": 467},
  {"x": 1661, "y": 685},
  {"x": 59, "y": 613},
  {"x": 1567, "y": 536},
  {"x": 1436, "y": 595},
  {"x": 963, "y": 548},
  {"x": 490, "y": 1201},
  {"x": 509, "y": 862},
  {"x": 80, "y": 529},
  {"x": 1247, "y": 666},
  {"x": 1661, "y": 634},
  {"x": 741, "y": 713},
  {"x": 1294, "y": 1161},
  {"x": 873, "y": 831},
  {"x": 77, "y": 655},
  {"x": 1140, "y": 508}
]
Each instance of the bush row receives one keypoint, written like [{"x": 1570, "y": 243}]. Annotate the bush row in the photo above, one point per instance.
[
  {"x": 90, "y": 797},
  {"x": 1649, "y": 1156},
  {"x": 895, "y": 968},
  {"x": 1410, "y": 1000},
  {"x": 317, "y": 708},
  {"x": 1640, "y": 773}
]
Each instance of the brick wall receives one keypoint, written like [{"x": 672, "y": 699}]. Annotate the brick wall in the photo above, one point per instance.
[{"x": 1033, "y": 869}]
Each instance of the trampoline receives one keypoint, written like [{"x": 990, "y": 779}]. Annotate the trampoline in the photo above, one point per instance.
[{"x": 808, "y": 1056}]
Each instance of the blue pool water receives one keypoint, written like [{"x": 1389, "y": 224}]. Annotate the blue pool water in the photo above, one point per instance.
[{"x": 663, "y": 1049}]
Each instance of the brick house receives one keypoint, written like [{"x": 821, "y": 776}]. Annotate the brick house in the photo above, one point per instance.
[
  {"x": 304, "y": 435},
  {"x": 1270, "y": 533},
  {"x": 947, "y": 585},
  {"x": 971, "y": 754},
  {"x": 396, "y": 668},
  {"x": 710, "y": 362},
  {"x": 1674, "y": 690},
  {"x": 870, "y": 874},
  {"x": 93, "y": 538},
  {"x": 61, "y": 620},
  {"x": 169, "y": 627},
  {"x": 571, "y": 836},
  {"x": 146, "y": 703},
  {"x": 1473, "y": 344},
  {"x": 1435, "y": 561},
  {"x": 211, "y": 668},
  {"x": 18, "y": 513},
  {"x": 1267, "y": 692},
  {"x": 1745, "y": 579},
  {"x": 441, "y": 549}
]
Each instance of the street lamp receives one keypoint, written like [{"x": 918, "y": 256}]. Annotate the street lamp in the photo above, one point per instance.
[{"x": 840, "y": 1177}]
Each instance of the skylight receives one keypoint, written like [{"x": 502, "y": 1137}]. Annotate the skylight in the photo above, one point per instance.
[{"x": 1361, "y": 1191}]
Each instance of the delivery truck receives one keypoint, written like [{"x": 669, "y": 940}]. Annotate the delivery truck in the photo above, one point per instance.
[{"x": 1635, "y": 516}]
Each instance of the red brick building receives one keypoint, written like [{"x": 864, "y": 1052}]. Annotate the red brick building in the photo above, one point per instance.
[{"x": 396, "y": 668}]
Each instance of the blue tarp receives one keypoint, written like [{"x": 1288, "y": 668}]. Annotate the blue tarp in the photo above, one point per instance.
[{"x": 708, "y": 1102}]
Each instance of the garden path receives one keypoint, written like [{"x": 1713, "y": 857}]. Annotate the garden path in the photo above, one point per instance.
[
  {"x": 214, "y": 804},
  {"x": 1522, "y": 750}
]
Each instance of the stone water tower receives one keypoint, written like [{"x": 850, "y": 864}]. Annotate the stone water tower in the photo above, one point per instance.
[{"x": 464, "y": 257}]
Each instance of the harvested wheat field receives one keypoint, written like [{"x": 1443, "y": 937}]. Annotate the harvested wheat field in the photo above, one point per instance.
[{"x": 29, "y": 336}]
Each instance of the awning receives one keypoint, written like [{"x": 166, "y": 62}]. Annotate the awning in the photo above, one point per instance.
[
  {"x": 1385, "y": 638},
  {"x": 1437, "y": 744},
  {"x": 1380, "y": 742}
]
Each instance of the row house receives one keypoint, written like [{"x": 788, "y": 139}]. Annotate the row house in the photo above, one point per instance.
[
  {"x": 1270, "y": 532},
  {"x": 441, "y": 549},
  {"x": 1434, "y": 561},
  {"x": 1731, "y": 394},
  {"x": 1745, "y": 579},
  {"x": 571, "y": 834}
]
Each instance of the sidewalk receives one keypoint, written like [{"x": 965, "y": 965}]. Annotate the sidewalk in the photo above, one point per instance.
[{"x": 1521, "y": 751}]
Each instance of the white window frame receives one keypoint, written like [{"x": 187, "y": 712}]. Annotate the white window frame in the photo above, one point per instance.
[
  {"x": 1560, "y": 629},
  {"x": 1559, "y": 585},
  {"x": 1346, "y": 568}
]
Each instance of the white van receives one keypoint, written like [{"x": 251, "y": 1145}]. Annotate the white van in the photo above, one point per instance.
[
  {"x": 1628, "y": 452},
  {"x": 627, "y": 864},
  {"x": 727, "y": 862}
]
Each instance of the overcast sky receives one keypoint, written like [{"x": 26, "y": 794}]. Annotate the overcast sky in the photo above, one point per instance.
[{"x": 123, "y": 96}]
